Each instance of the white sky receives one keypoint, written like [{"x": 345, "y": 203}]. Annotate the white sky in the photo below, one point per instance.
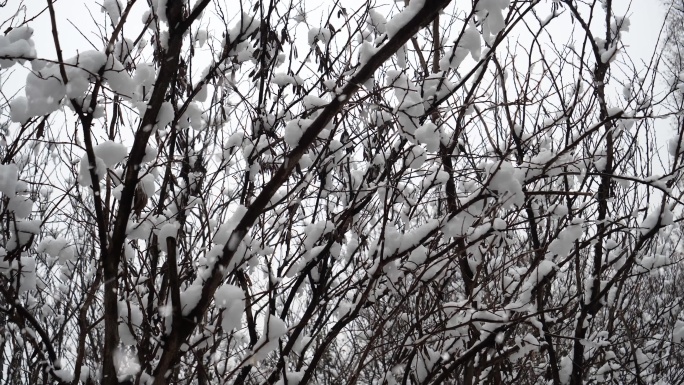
[{"x": 646, "y": 17}]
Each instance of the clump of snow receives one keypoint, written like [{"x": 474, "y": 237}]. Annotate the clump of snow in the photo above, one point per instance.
[
  {"x": 294, "y": 130},
  {"x": 226, "y": 229},
  {"x": 20, "y": 205},
  {"x": 159, "y": 7},
  {"x": 563, "y": 244},
  {"x": 166, "y": 115},
  {"x": 28, "y": 274},
  {"x": 21, "y": 233},
  {"x": 305, "y": 161},
  {"x": 144, "y": 78},
  {"x": 282, "y": 80},
  {"x": 654, "y": 261},
  {"x": 273, "y": 329},
  {"x": 232, "y": 299},
  {"x": 675, "y": 143},
  {"x": 319, "y": 34},
  {"x": 168, "y": 230},
  {"x": 16, "y": 46},
  {"x": 651, "y": 221},
  {"x": 110, "y": 152},
  {"x": 366, "y": 51},
  {"x": 428, "y": 134},
  {"x": 245, "y": 26},
  {"x": 190, "y": 297},
  {"x": 147, "y": 184},
  {"x": 678, "y": 332},
  {"x": 118, "y": 79},
  {"x": 237, "y": 39},
  {"x": 315, "y": 231},
  {"x": 192, "y": 117},
  {"x": 202, "y": 94},
  {"x": 491, "y": 14},
  {"x": 9, "y": 175},
  {"x": 506, "y": 182},
  {"x": 293, "y": 378},
  {"x": 45, "y": 89},
  {"x": 459, "y": 224},
  {"x": 415, "y": 236},
  {"x": 424, "y": 362},
  {"x": 310, "y": 101},
  {"x": 123, "y": 51},
  {"x": 113, "y": 9},
  {"x": 150, "y": 154},
  {"x": 301, "y": 342},
  {"x": 411, "y": 106},
  {"x": 416, "y": 158},
  {"x": 19, "y": 110},
  {"x": 56, "y": 248},
  {"x": 201, "y": 37},
  {"x": 404, "y": 17},
  {"x": 543, "y": 270},
  {"x": 378, "y": 21},
  {"x": 499, "y": 224},
  {"x": 469, "y": 42},
  {"x": 25, "y": 266},
  {"x": 85, "y": 374},
  {"x": 126, "y": 364},
  {"x": 62, "y": 372},
  {"x": 125, "y": 322},
  {"x": 84, "y": 177},
  {"x": 417, "y": 257}
]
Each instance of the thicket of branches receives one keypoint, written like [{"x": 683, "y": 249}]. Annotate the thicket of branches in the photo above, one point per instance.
[{"x": 268, "y": 192}]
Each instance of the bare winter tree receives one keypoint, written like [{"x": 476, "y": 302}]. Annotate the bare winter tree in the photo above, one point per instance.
[{"x": 277, "y": 192}]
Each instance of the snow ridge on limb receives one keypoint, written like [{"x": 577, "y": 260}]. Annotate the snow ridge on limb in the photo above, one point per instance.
[{"x": 412, "y": 25}]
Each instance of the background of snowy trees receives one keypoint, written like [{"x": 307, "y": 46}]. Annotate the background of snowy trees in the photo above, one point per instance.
[{"x": 346, "y": 193}]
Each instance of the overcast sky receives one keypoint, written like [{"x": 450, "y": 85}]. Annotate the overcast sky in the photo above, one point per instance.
[{"x": 646, "y": 17}]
